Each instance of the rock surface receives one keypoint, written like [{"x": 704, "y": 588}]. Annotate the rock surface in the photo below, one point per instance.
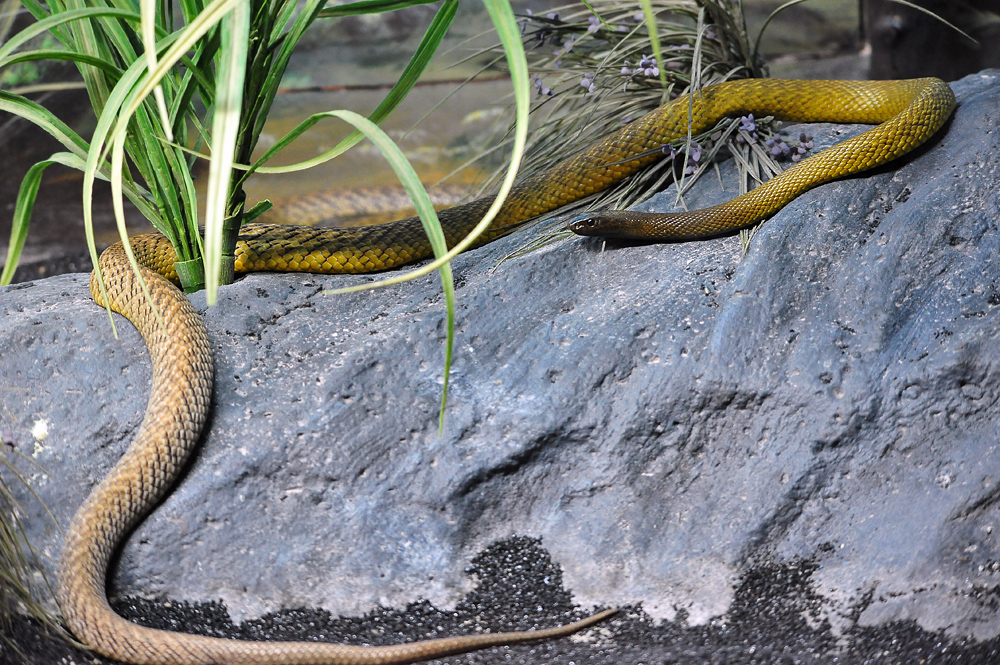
[{"x": 666, "y": 418}]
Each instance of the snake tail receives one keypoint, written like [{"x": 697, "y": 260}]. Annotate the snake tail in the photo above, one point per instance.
[{"x": 909, "y": 113}]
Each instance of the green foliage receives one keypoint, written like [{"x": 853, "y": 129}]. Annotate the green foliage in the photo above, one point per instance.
[
  {"x": 166, "y": 81},
  {"x": 598, "y": 67},
  {"x": 700, "y": 43}
]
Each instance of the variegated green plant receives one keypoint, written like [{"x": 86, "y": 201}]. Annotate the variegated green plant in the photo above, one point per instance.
[{"x": 167, "y": 86}]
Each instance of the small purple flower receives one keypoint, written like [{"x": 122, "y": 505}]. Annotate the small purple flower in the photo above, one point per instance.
[
  {"x": 595, "y": 24},
  {"x": 639, "y": 18},
  {"x": 626, "y": 71},
  {"x": 747, "y": 128},
  {"x": 695, "y": 152},
  {"x": 588, "y": 83},
  {"x": 778, "y": 147},
  {"x": 668, "y": 150},
  {"x": 805, "y": 145},
  {"x": 648, "y": 66},
  {"x": 553, "y": 16},
  {"x": 540, "y": 87},
  {"x": 710, "y": 33}
]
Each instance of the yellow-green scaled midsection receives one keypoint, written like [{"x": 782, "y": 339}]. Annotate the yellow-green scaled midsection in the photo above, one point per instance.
[{"x": 910, "y": 112}]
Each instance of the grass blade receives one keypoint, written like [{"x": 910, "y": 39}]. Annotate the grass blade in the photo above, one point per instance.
[
  {"x": 933, "y": 15},
  {"x": 225, "y": 127},
  {"x": 428, "y": 218},
  {"x": 147, "y": 12},
  {"x": 510, "y": 37},
  {"x": 43, "y": 119},
  {"x": 48, "y": 24},
  {"x": 82, "y": 58},
  {"x": 25, "y": 204},
  {"x": 411, "y": 74}
]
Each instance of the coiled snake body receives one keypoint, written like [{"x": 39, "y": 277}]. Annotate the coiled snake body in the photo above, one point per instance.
[{"x": 910, "y": 112}]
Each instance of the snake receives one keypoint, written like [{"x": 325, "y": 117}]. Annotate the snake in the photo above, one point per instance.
[{"x": 906, "y": 115}]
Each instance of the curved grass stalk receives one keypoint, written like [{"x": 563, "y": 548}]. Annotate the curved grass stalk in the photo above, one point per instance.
[
  {"x": 147, "y": 13},
  {"x": 506, "y": 26},
  {"x": 654, "y": 42},
  {"x": 50, "y": 23},
  {"x": 22, "y": 209},
  {"x": 428, "y": 218},
  {"x": 411, "y": 74}
]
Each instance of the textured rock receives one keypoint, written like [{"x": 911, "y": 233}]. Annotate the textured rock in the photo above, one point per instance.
[{"x": 664, "y": 417}]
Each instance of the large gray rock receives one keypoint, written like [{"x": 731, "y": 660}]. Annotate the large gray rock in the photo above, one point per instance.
[{"x": 664, "y": 417}]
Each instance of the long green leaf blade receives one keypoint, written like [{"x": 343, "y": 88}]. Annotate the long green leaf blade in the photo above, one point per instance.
[
  {"x": 428, "y": 218},
  {"x": 25, "y": 204},
  {"x": 411, "y": 74},
  {"x": 225, "y": 126},
  {"x": 510, "y": 37},
  {"x": 147, "y": 12},
  {"x": 46, "y": 25}
]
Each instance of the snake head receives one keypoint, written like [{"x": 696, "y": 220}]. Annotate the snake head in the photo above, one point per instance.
[
  {"x": 587, "y": 224},
  {"x": 623, "y": 224}
]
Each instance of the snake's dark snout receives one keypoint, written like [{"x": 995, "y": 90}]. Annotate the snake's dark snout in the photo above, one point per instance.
[{"x": 584, "y": 225}]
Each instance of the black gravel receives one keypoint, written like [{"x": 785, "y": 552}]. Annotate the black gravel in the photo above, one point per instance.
[{"x": 775, "y": 618}]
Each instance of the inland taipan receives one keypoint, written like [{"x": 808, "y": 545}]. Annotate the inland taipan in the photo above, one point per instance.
[{"x": 907, "y": 114}]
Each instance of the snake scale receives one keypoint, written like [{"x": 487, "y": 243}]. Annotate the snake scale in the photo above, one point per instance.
[{"x": 907, "y": 114}]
